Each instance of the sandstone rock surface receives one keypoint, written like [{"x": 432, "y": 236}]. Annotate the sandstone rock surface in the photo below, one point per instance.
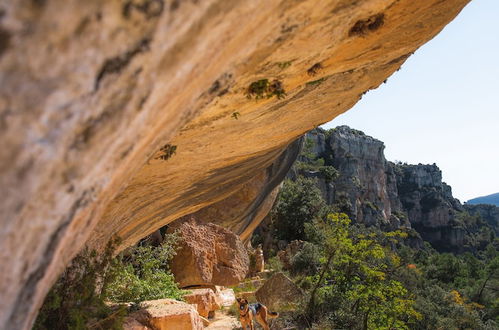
[
  {"x": 208, "y": 254},
  {"x": 259, "y": 260},
  {"x": 129, "y": 323},
  {"x": 226, "y": 297},
  {"x": 205, "y": 300},
  {"x": 118, "y": 117},
  {"x": 167, "y": 314},
  {"x": 279, "y": 291}
]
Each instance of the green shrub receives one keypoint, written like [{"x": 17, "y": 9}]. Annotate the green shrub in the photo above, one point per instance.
[
  {"x": 142, "y": 274},
  {"x": 307, "y": 260},
  {"x": 78, "y": 300},
  {"x": 274, "y": 264},
  {"x": 264, "y": 88},
  {"x": 298, "y": 202}
]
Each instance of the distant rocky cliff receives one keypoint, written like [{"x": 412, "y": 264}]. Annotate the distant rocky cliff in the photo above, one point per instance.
[{"x": 377, "y": 192}]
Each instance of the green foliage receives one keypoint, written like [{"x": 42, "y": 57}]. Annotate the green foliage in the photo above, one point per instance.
[
  {"x": 274, "y": 264},
  {"x": 478, "y": 232},
  {"x": 316, "y": 82},
  {"x": 284, "y": 65},
  {"x": 355, "y": 288},
  {"x": 142, "y": 274},
  {"x": 298, "y": 202},
  {"x": 329, "y": 172},
  {"x": 264, "y": 89},
  {"x": 313, "y": 163},
  {"x": 78, "y": 299},
  {"x": 167, "y": 151},
  {"x": 364, "y": 278},
  {"x": 307, "y": 260}
]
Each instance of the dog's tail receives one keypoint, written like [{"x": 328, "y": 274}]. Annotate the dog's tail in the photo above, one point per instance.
[{"x": 272, "y": 314}]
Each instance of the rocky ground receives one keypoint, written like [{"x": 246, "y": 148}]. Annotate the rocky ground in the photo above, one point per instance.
[
  {"x": 213, "y": 309},
  {"x": 223, "y": 320}
]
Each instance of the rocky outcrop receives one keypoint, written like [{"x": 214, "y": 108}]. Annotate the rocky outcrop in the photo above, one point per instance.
[
  {"x": 207, "y": 254},
  {"x": 429, "y": 204},
  {"x": 129, "y": 323},
  {"x": 167, "y": 314},
  {"x": 376, "y": 192},
  {"x": 279, "y": 291},
  {"x": 118, "y": 117},
  {"x": 205, "y": 300},
  {"x": 226, "y": 297}
]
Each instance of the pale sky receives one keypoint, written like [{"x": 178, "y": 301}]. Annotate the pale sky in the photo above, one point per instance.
[{"x": 443, "y": 105}]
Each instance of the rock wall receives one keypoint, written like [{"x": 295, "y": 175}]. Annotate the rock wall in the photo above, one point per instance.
[
  {"x": 376, "y": 192},
  {"x": 118, "y": 117}
]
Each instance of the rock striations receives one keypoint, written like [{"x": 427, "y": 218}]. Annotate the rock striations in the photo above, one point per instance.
[{"x": 118, "y": 117}]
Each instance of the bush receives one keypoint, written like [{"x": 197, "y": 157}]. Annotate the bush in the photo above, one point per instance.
[
  {"x": 142, "y": 274},
  {"x": 307, "y": 260},
  {"x": 274, "y": 264},
  {"x": 78, "y": 300},
  {"x": 298, "y": 202}
]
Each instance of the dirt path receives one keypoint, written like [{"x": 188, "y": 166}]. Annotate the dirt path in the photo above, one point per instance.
[{"x": 224, "y": 321}]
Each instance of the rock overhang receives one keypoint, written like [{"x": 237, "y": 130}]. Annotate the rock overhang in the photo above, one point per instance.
[{"x": 91, "y": 95}]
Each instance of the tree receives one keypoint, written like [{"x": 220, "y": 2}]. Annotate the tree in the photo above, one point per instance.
[
  {"x": 298, "y": 202},
  {"x": 355, "y": 286}
]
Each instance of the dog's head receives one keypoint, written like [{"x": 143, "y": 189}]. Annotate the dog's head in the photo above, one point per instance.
[{"x": 242, "y": 303}]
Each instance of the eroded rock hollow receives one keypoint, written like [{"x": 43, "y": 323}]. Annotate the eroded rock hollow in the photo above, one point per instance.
[{"x": 118, "y": 117}]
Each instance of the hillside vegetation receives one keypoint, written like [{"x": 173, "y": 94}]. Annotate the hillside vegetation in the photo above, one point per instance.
[{"x": 377, "y": 272}]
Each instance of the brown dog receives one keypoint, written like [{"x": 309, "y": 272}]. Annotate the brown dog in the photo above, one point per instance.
[{"x": 248, "y": 312}]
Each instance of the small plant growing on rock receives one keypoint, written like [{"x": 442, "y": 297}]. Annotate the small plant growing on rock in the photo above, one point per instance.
[
  {"x": 235, "y": 115},
  {"x": 264, "y": 89},
  {"x": 167, "y": 151},
  {"x": 316, "y": 82},
  {"x": 314, "y": 69},
  {"x": 362, "y": 27},
  {"x": 283, "y": 65},
  {"x": 276, "y": 89},
  {"x": 258, "y": 89}
]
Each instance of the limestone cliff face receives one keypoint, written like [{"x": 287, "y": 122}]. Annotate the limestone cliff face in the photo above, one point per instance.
[
  {"x": 429, "y": 204},
  {"x": 120, "y": 116},
  {"x": 374, "y": 191}
]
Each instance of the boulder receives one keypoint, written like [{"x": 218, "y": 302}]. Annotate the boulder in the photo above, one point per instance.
[
  {"x": 259, "y": 260},
  {"x": 279, "y": 291},
  {"x": 208, "y": 254},
  {"x": 204, "y": 299},
  {"x": 226, "y": 297},
  {"x": 129, "y": 323},
  {"x": 167, "y": 314}
]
